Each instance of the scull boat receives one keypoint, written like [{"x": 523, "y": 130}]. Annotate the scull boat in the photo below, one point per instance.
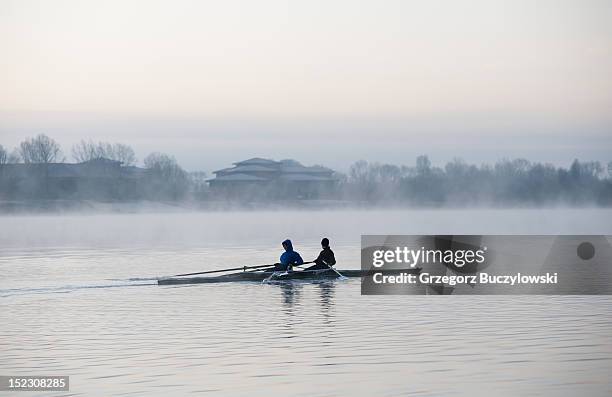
[{"x": 260, "y": 276}]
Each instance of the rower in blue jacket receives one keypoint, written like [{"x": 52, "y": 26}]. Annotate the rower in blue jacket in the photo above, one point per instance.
[{"x": 289, "y": 258}]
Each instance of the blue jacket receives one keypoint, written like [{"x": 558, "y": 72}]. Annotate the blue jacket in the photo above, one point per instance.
[{"x": 290, "y": 257}]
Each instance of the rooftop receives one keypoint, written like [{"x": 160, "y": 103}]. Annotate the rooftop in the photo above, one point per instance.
[
  {"x": 100, "y": 161},
  {"x": 256, "y": 161},
  {"x": 246, "y": 168},
  {"x": 96, "y": 168},
  {"x": 258, "y": 169}
]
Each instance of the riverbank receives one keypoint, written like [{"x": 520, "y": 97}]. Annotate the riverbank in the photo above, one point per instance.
[
  {"x": 24, "y": 207},
  {"x": 20, "y": 207}
]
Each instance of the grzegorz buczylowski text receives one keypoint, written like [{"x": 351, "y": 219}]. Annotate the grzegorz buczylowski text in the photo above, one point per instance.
[{"x": 481, "y": 278}]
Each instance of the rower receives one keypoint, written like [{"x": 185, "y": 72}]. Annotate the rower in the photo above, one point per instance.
[
  {"x": 289, "y": 258},
  {"x": 326, "y": 258}
]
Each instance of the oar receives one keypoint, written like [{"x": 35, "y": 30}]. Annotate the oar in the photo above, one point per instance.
[
  {"x": 270, "y": 267},
  {"x": 331, "y": 268},
  {"x": 243, "y": 268},
  {"x": 304, "y": 263},
  {"x": 337, "y": 272}
]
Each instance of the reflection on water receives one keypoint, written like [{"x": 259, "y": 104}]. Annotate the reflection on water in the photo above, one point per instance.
[
  {"x": 94, "y": 314},
  {"x": 291, "y": 292}
]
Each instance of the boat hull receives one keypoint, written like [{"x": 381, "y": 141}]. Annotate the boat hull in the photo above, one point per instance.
[{"x": 284, "y": 276}]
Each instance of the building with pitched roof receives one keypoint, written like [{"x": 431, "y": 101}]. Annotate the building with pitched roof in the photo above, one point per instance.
[
  {"x": 259, "y": 177},
  {"x": 93, "y": 179}
]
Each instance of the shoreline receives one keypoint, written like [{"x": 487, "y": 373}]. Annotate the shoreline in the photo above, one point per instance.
[{"x": 37, "y": 207}]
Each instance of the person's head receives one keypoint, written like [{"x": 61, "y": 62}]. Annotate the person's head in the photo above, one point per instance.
[
  {"x": 325, "y": 242},
  {"x": 287, "y": 245}
]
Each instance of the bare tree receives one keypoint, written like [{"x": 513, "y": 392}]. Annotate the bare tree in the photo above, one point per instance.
[
  {"x": 167, "y": 178},
  {"x": 423, "y": 165},
  {"x": 124, "y": 153},
  {"x": 3, "y": 155},
  {"x": 14, "y": 157},
  {"x": 163, "y": 164},
  {"x": 40, "y": 149},
  {"x": 85, "y": 151},
  {"x": 88, "y": 150}
]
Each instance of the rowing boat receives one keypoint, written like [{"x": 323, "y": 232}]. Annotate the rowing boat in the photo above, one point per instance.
[{"x": 259, "y": 276}]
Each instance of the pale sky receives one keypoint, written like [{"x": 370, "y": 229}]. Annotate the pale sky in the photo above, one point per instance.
[{"x": 325, "y": 82}]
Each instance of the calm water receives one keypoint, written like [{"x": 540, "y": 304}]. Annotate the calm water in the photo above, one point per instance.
[{"x": 77, "y": 298}]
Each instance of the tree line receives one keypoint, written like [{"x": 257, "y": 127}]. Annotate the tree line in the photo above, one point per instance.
[
  {"x": 164, "y": 178},
  {"x": 506, "y": 183},
  {"x": 45, "y": 150}
]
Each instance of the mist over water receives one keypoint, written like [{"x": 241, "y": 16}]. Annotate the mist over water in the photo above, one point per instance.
[{"x": 268, "y": 228}]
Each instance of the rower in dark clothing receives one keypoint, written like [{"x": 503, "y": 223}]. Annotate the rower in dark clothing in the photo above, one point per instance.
[
  {"x": 288, "y": 258},
  {"x": 326, "y": 258}
]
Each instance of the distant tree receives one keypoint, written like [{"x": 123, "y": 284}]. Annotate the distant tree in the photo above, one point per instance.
[
  {"x": 593, "y": 169},
  {"x": 159, "y": 161},
  {"x": 464, "y": 183},
  {"x": 3, "y": 155},
  {"x": 423, "y": 165},
  {"x": 14, "y": 157},
  {"x": 457, "y": 168},
  {"x": 123, "y": 153},
  {"x": 167, "y": 179},
  {"x": 427, "y": 185},
  {"x": 358, "y": 172},
  {"x": 198, "y": 183},
  {"x": 88, "y": 150},
  {"x": 360, "y": 182},
  {"x": 373, "y": 181},
  {"x": 41, "y": 150},
  {"x": 507, "y": 182},
  {"x": 85, "y": 151},
  {"x": 582, "y": 172},
  {"x": 389, "y": 173}
]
